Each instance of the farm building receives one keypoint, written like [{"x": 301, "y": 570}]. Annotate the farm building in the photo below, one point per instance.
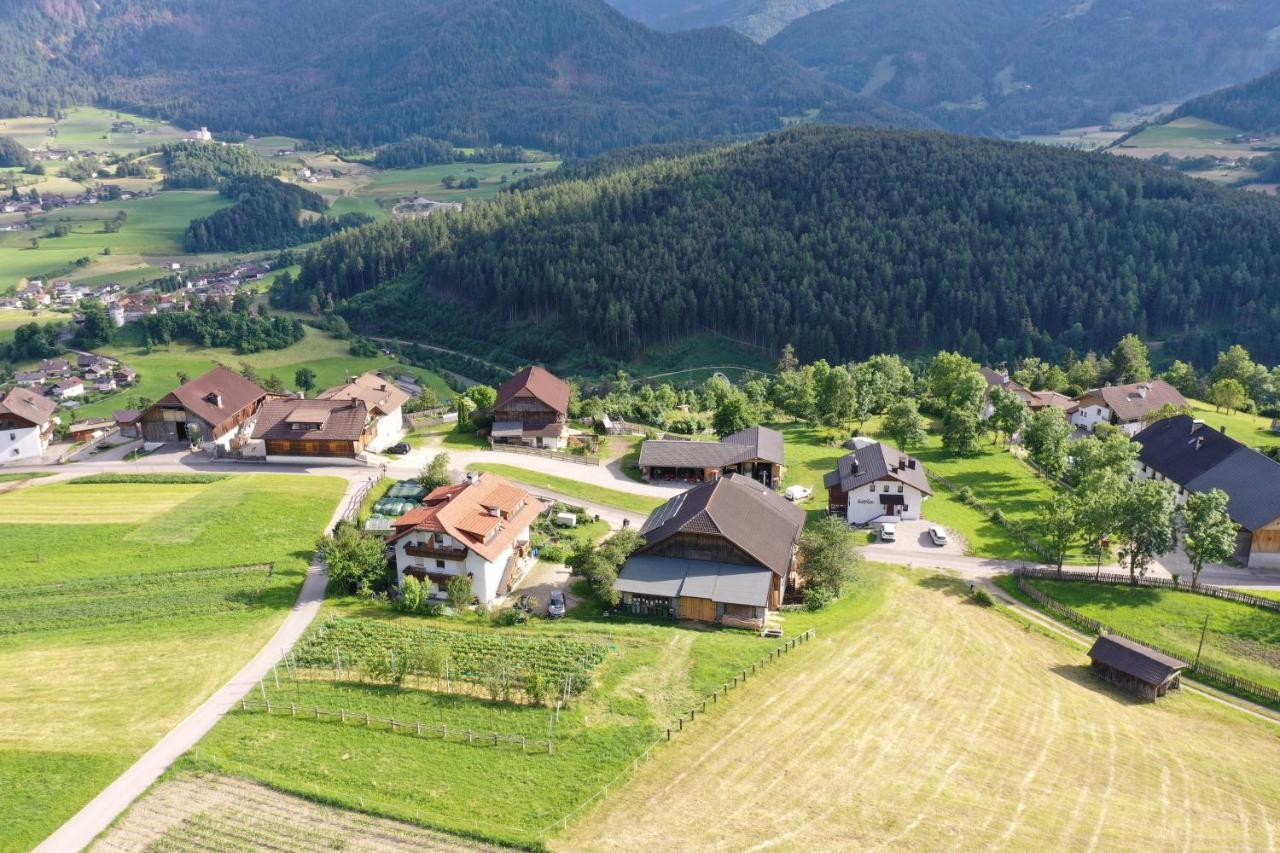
[
  {"x": 382, "y": 398},
  {"x": 724, "y": 551},
  {"x": 1135, "y": 667},
  {"x": 294, "y": 429},
  {"x": 90, "y": 429},
  {"x": 477, "y": 529},
  {"x": 532, "y": 408},
  {"x": 215, "y": 411},
  {"x": 757, "y": 453},
  {"x": 877, "y": 482},
  {"x": 26, "y": 425},
  {"x": 1197, "y": 458},
  {"x": 127, "y": 421}
]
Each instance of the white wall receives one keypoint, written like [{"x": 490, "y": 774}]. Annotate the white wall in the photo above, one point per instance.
[
  {"x": 1089, "y": 417},
  {"x": 18, "y": 444},
  {"x": 387, "y": 431},
  {"x": 485, "y": 574},
  {"x": 864, "y": 504}
]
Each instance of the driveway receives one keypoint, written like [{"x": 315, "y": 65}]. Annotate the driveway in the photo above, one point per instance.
[
  {"x": 540, "y": 582},
  {"x": 914, "y": 536}
]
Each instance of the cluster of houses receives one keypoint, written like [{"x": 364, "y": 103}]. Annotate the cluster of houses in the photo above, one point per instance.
[
  {"x": 1127, "y": 407},
  {"x": 58, "y": 293},
  {"x": 33, "y": 205},
  {"x": 30, "y": 407}
]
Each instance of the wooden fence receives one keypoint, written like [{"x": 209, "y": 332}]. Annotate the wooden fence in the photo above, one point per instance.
[
  {"x": 741, "y": 678},
  {"x": 1205, "y": 672},
  {"x": 1156, "y": 583},
  {"x": 544, "y": 452},
  {"x": 410, "y": 727}
]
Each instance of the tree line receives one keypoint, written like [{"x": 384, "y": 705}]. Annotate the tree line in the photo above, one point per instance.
[
  {"x": 426, "y": 151},
  {"x": 214, "y": 324},
  {"x": 267, "y": 214}
]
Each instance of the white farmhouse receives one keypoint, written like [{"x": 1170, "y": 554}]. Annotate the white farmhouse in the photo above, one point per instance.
[
  {"x": 384, "y": 401},
  {"x": 26, "y": 425},
  {"x": 877, "y": 483},
  {"x": 478, "y": 529},
  {"x": 1125, "y": 406}
]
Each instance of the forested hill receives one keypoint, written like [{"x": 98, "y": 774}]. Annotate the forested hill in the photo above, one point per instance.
[
  {"x": 846, "y": 242},
  {"x": 573, "y": 76},
  {"x": 1035, "y": 66},
  {"x": 757, "y": 19},
  {"x": 1250, "y": 106}
]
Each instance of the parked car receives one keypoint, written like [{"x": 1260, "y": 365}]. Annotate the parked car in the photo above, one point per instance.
[
  {"x": 888, "y": 532},
  {"x": 795, "y": 494},
  {"x": 399, "y": 449},
  {"x": 938, "y": 535},
  {"x": 555, "y": 605}
]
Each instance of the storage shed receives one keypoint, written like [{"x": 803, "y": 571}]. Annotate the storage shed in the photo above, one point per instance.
[{"x": 1140, "y": 670}]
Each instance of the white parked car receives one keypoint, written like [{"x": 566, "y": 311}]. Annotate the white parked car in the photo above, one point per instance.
[
  {"x": 938, "y": 535},
  {"x": 888, "y": 532},
  {"x": 796, "y": 494}
]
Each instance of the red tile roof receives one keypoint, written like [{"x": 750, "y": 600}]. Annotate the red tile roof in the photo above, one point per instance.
[{"x": 463, "y": 512}]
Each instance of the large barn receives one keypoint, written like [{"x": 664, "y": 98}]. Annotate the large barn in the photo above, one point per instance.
[{"x": 215, "y": 412}]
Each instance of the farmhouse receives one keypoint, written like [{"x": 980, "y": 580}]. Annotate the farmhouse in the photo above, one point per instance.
[
  {"x": 756, "y": 453},
  {"x": 1198, "y": 458},
  {"x": 477, "y": 529},
  {"x": 69, "y": 388},
  {"x": 215, "y": 411},
  {"x": 1124, "y": 406},
  {"x": 532, "y": 408},
  {"x": 26, "y": 425},
  {"x": 1136, "y": 668},
  {"x": 724, "y": 551},
  {"x": 1001, "y": 379},
  {"x": 384, "y": 402},
  {"x": 127, "y": 421},
  {"x": 877, "y": 482},
  {"x": 294, "y": 429}
]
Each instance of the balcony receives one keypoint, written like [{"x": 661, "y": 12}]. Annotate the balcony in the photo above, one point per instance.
[{"x": 434, "y": 551}]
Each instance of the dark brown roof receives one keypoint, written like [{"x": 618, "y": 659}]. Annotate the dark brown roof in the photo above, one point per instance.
[
  {"x": 1135, "y": 401},
  {"x": 338, "y": 420},
  {"x": 126, "y": 416},
  {"x": 751, "y": 516},
  {"x": 743, "y": 446},
  {"x": 1145, "y": 664},
  {"x": 873, "y": 462},
  {"x": 215, "y": 397},
  {"x": 538, "y": 382},
  {"x": 28, "y": 406}
]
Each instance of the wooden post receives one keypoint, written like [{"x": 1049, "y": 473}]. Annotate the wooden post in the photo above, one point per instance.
[
  {"x": 293, "y": 709},
  {"x": 342, "y": 712},
  {"x": 418, "y": 726},
  {"x": 366, "y": 718},
  {"x": 1200, "y": 648}
]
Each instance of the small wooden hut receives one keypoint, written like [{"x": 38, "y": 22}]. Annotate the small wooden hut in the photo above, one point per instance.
[{"x": 1140, "y": 670}]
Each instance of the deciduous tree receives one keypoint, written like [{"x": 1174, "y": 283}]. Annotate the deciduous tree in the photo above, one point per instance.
[{"x": 1208, "y": 534}]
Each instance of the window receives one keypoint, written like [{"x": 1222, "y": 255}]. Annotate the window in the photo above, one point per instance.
[
  {"x": 899, "y": 488},
  {"x": 873, "y": 487},
  {"x": 439, "y": 564}
]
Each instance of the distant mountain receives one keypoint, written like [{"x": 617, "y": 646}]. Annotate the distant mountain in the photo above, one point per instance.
[
  {"x": 1035, "y": 66},
  {"x": 844, "y": 242},
  {"x": 756, "y": 19},
  {"x": 571, "y": 75},
  {"x": 1251, "y": 106}
]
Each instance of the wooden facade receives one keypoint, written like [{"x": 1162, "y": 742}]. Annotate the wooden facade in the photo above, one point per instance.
[
  {"x": 325, "y": 449},
  {"x": 1266, "y": 541},
  {"x": 717, "y": 549},
  {"x": 529, "y": 411},
  {"x": 1135, "y": 685}
]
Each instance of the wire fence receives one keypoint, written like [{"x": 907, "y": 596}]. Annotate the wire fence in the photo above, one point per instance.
[
  {"x": 1209, "y": 673},
  {"x": 409, "y": 727},
  {"x": 544, "y": 452},
  {"x": 1157, "y": 583}
]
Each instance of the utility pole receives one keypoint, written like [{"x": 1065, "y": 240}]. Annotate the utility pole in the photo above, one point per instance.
[{"x": 1203, "y": 631}]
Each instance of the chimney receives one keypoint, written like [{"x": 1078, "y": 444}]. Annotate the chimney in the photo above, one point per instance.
[
  {"x": 1196, "y": 426},
  {"x": 214, "y": 398},
  {"x": 495, "y": 512},
  {"x": 911, "y": 463},
  {"x": 902, "y": 462},
  {"x": 472, "y": 478},
  {"x": 1199, "y": 442}
]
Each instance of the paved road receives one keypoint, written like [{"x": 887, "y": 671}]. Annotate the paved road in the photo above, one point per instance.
[{"x": 78, "y": 832}]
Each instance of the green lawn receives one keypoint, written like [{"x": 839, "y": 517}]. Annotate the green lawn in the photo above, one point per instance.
[
  {"x": 1249, "y": 429},
  {"x": 1241, "y": 639},
  {"x": 13, "y": 478},
  {"x": 1183, "y": 133},
  {"x": 657, "y": 672},
  {"x": 106, "y": 693},
  {"x": 329, "y": 357},
  {"x": 10, "y": 320},
  {"x": 572, "y": 488}
]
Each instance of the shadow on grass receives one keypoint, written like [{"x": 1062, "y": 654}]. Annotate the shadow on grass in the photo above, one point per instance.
[
  {"x": 953, "y": 587},
  {"x": 1083, "y": 676}
]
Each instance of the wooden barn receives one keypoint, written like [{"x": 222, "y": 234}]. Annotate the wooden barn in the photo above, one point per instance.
[
  {"x": 724, "y": 551},
  {"x": 314, "y": 429},
  {"x": 1136, "y": 668},
  {"x": 532, "y": 408},
  {"x": 215, "y": 411}
]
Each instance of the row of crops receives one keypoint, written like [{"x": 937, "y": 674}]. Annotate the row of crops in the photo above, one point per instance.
[
  {"x": 90, "y": 602},
  {"x": 508, "y": 665}
]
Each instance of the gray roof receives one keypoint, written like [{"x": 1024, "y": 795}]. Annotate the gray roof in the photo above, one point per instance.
[
  {"x": 743, "y": 446},
  {"x": 1143, "y": 663},
  {"x": 671, "y": 577},
  {"x": 1200, "y": 459},
  {"x": 754, "y": 518},
  {"x": 874, "y": 462}
]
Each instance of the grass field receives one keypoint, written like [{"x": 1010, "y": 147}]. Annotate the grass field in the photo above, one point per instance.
[
  {"x": 571, "y": 488},
  {"x": 371, "y": 191},
  {"x": 80, "y": 704},
  {"x": 1249, "y": 429},
  {"x": 936, "y": 724},
  {"x": 1240, "y": 639},
  {"x": 155, "y": 227},
  {"x": 329, "y": 357},
  {"x": 655, "y": 673},
  {"x": 89, "y": 129}
]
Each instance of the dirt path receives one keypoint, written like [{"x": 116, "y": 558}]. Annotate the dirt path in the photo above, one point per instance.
[
  {"x": 95, "y": 817},
  {"x": 210, "y": 812},
  {"x": 937, "y": 724}
]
